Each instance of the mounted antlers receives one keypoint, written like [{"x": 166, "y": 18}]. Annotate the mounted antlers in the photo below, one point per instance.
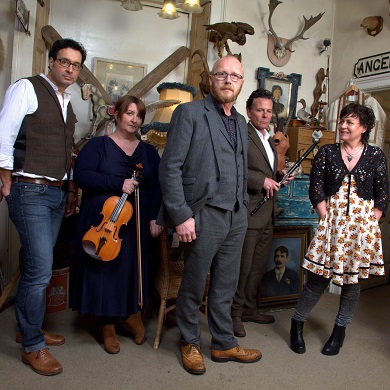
[{"x": 281, "y": 48}]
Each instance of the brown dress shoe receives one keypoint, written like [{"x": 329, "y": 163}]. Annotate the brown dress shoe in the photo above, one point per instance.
[
  {"x": 259, "y": 318},
  {"x": 238, "y": 327},
  {"x": 42, "y": 362},
  {"x": 236, "y": 354},
  {"x": 192, "y": 359},
  {"x": 110, "y": 342},
  {"x": 136, "y": 326},
  {"x": 51, "y": 339}
]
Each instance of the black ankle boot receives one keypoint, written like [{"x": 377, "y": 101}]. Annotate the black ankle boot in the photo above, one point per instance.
[
  {"x": 335, "y": 342},
  {"x": 296, "y": 337}
]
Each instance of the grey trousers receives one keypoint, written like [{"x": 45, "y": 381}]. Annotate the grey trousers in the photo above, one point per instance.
[
  {"x": 312, "y": 292},
  {"x": 220, "y": 235}
]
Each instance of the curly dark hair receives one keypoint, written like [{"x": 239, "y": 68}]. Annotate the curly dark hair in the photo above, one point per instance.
[
  {"x": 259, "y": 93},
  {"x": 365, "y": 115},
  {"x": 65, "y": 44}
]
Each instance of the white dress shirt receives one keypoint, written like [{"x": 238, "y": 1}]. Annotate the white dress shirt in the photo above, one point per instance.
[
  {"x": 21, "y": 100},
  {"x": 265, "y": 140}
]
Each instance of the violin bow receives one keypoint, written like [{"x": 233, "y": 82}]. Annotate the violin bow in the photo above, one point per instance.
[{"x": 138, "y": 229}]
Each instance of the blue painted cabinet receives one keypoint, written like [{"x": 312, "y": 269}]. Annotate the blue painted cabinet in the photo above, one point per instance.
[{"x": 294, "y": 200}]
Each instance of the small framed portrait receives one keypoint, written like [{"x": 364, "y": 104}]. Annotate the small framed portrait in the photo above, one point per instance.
[
  {"x": 118, "y": 77},
  {"x": 284, "y": 89},
  {"x": 23, "y": 14},
  {"x": 284, "y": 279}
]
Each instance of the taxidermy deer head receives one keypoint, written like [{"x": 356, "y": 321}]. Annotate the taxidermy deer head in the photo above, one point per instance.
[{"x": 280, "y": 49}]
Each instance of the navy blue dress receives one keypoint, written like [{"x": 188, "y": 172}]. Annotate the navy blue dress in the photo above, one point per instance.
[{"x": 110, "y": 288}]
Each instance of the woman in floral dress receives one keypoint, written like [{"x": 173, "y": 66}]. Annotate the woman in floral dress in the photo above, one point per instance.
[{"x": 349, "y": 188}]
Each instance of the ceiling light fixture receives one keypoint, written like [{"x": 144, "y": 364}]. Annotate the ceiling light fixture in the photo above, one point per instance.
[
  {"x": 131, "y": 5},
  {"x": 168, "y": 10},
  {"x": 192, "y": 6}
]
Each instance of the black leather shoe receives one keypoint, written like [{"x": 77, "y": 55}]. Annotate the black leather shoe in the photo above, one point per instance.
[
  {"x": 238, "y": 327},
  {"x": 335, "y": 342},
  {"x": 297, "y": 343},
  {"x": 258, "y": 318}
]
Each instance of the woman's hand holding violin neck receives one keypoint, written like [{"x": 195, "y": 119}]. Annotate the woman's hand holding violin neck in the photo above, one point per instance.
[{"x": 129, "y": 186}]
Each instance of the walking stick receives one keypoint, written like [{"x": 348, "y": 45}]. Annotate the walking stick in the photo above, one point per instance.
[{"x": 316, "y": 136}]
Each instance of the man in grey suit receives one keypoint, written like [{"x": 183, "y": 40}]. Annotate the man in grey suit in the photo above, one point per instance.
[
  {"x": 203, "y": 180},
  {"x": 262, "y": 181}
]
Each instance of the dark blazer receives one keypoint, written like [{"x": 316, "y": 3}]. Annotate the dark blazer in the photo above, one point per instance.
[
  {"x": 289, "y": 284},
  {"x": 259, "y": 168},
  {"x": 191, "y": 161}
]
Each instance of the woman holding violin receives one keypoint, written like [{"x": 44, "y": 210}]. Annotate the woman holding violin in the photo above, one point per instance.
[{"x": 107, "y": 169}]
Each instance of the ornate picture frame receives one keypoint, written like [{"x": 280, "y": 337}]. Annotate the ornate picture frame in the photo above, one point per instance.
[
  {"x": 295, "y": 240},
  {"x": 118, "y": 77},
  {"x": 287, "y": 84}
]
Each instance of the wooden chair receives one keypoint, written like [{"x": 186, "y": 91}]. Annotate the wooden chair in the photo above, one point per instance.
[{"x": 168, "y": 281}]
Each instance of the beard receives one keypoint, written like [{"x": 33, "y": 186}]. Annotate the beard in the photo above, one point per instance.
[{"x": 222, "y": 98}]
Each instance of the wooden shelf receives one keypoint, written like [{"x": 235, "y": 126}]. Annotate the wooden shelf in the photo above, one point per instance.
[{"x": 301, "y": 139}]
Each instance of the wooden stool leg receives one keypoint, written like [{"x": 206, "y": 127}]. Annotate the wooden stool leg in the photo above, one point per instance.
[
  {"x": 9, "y": 287},
  {"x": 160, "y": 321}
]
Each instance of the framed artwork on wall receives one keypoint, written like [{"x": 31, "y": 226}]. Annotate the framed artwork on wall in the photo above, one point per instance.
[
  {"x": 118, "y": 77},
  {"x": 23, "y": 15},
  {"x": 284, "y": 88},
  {"x": 284, "y": 279}
]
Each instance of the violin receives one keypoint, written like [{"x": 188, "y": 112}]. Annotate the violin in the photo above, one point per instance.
[{"x": 102, "y": 242}]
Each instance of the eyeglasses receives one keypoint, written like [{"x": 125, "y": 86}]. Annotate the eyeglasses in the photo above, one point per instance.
[
  {"x": 223, "y": 76},
  {"x": 66, "y": 64}
]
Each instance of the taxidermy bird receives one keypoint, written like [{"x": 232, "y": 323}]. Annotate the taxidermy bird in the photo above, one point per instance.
[{"x": 305, "y": 116}]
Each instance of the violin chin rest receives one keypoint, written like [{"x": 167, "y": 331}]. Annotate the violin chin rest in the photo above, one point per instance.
[{"x": 90, "y": 249}]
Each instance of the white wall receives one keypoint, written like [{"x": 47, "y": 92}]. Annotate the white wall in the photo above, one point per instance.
[
  {"x": 351, "y": 42},
  {"x": 287, "y": 21},
  {"x": 108, "y": 31}
]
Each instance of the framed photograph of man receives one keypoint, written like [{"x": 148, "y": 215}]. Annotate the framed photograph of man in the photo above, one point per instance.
[
  {"x": 284, "y": 279},
  {"x": 284, "y": 89}
]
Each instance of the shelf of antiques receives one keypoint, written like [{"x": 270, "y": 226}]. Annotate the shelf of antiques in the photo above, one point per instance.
[{"x": 300, "y": 139}]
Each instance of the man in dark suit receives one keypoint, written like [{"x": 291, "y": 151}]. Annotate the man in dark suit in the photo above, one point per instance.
[
  {"x": 262, "y": 181},
  {"x": 280, "y": 280},
  {"x": 203, "y": 180}
]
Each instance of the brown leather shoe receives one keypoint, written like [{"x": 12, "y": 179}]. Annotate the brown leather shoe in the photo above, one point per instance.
[
  {"x": 192, "y": 359},
  {"x": 259, "y": 318},
  {"x": 238, "y": 327},
  {"x": 42, "y": 362},
  {"x": 110, "y": 342},
  {"x": 51, "y": 339},
  {"x": 236, "y": 354},
  {"x": 136, "y": 326}
]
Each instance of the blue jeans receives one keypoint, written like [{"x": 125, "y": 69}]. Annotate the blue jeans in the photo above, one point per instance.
[{"x": 36, "y": 211}]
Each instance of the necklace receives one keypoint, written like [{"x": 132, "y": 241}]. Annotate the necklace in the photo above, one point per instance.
[{"x": 352, "y": 155}]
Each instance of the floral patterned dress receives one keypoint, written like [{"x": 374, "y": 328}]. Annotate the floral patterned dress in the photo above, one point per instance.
[{"x": 347, "y": 244}]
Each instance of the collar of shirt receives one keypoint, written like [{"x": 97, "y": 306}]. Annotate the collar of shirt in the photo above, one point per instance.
[
  {"x": 66, "y": 92},
  {"x": 279, "y": 274},
  {"x": 221, "y": 111},
  {"x": 263, "y": 137}
]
